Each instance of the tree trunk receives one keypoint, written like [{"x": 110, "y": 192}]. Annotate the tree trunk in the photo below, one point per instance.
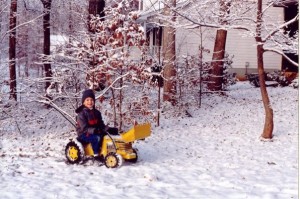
[
  {"x": 70, "y": 18},
  {"x": 216, "y": 71},
  {"x": 46, "y": 27},
  {"x": 96, "y": 7},
  {"x": 269, "y": 124},
  {"x": 12, "y": 49},
  {"x": 169, "y": 56}
]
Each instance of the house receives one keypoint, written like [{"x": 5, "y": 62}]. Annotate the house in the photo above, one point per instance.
[
  {"x": 290, "y": 9},
  {"x": 240, "y": 46}
]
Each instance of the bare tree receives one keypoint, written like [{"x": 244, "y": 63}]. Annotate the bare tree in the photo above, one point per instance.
[
  {"x": 12, "y": 49},
  {"x": 269, "y": 124},
  {"x": 261, "y": 43},
  {"x": 169, "y": 55},
  {"x": 46, "y": 28}
]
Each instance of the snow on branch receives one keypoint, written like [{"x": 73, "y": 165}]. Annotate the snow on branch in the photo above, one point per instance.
[
  {"x": 111, "y": 85},
  {"x": 280, "y": 27},
  {"x": 3, "y": 9},
  {"x": 283, "y": 54},
  {"x": 18, "y": 26},
  {"x": 50, "y": 102},
  {"x": 218, "y": 26},
  {"x": 267, "y": 7}
]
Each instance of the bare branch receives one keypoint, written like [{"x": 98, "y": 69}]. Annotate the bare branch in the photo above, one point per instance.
[
  {"x": 267, "y": 7},
  {"x": 3, "y": 9},
  {"x": 197, "y": 24},
  {"x": 67, "y": 116},
  {"x": 111, "y": 85},
  {"x": 18, "y": 26},
  {"x": 280, "y": 27},
  {"x": 243, "y": 19},
  {"x": 284, "y": 55}
]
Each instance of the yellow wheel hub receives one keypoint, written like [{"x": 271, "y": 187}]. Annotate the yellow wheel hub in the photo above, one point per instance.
[
  {"x": 111, "y": 161},
  {"x": 73, "y": 153}
]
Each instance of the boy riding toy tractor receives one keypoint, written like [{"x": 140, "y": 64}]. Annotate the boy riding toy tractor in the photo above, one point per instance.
[
  {"x": 95, "y": 139},
  {"x": 114, "y": 148}
]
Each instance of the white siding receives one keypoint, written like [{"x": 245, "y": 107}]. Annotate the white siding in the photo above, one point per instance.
[
  {"x": 242, "y": 47},
  {"x": 244, "y": 50},
  {"x": 188, "y": 42}
]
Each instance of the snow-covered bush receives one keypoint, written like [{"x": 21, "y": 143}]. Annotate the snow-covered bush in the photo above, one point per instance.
[
  {"x": 228, "y": 78},
  {"x": 280, "y": 77},
  {"x": 115, "y": 58},
  {"x": 295, "y": 83}
]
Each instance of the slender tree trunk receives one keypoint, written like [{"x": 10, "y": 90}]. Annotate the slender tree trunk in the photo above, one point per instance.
[
  {"x": 269, "y": 124},
  {"x": 27, "y": 48},
  {"x": 216, "y": 72},
  {"x": 159, "y": 80},
  {"x": 70, "y": 21},
  {"x": 46, "y": 27},
  {"x": 114, "y": 106},
  {"x": 12, "y": 49},
  {"x": 120, "y": 104},
  {"x": 200, "y": 66},
  {"x": 169, "y": 57}
]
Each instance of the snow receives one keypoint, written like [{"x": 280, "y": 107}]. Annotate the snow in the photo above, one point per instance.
[
  {"x": 58, "y": 39},
  {"x": 216, "y": 153}
]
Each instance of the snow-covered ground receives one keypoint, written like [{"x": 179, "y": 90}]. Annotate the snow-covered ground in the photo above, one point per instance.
[{"x": 217, "y": 153}]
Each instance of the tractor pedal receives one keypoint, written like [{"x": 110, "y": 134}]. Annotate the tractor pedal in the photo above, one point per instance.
[{"x": 99, "y": 158}]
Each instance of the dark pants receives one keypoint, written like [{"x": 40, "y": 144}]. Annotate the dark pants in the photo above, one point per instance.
[{"x": 93, "y": 139}]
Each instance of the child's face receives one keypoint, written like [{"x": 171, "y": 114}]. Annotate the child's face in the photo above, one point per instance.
[{"x": 89, "y": 102}]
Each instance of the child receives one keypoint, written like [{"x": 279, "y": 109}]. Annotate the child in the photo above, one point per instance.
[{"x": 90, "y": 126}]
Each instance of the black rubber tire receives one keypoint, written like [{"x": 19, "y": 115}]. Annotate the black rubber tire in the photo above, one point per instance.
[{"x": 74, "y": 152}]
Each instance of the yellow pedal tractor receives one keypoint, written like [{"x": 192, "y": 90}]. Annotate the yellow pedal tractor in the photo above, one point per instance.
[{"x": 115, "y": 148}]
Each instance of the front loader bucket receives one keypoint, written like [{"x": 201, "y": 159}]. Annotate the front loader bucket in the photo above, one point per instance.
[{"x": 137, "y": 132}]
